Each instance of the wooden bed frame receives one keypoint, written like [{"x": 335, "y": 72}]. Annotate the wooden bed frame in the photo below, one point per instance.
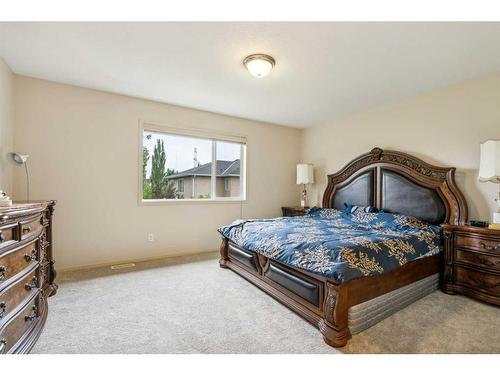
[{"x": 390, "y": 180}]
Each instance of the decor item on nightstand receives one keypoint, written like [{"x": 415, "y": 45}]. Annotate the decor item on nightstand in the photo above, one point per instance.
[
  {"x": 5, "y": 200},
  {"x": 305, "y": 175},
  {"x": 23, "y": 159},
  {"x": 489, "y": 169}
]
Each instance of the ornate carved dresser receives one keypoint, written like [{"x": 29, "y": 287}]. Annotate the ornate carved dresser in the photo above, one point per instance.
[{"x": 26, "y": 273}]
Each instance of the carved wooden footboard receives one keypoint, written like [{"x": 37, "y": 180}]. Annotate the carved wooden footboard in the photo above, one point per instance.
[{"x": 330, "y": 315}]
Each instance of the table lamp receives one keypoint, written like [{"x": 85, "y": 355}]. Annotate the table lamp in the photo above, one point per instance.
[
  {"x": 22, "y": 159},
  {"x": 305, "y": 175},
  {"x": 489, "y": 169}
]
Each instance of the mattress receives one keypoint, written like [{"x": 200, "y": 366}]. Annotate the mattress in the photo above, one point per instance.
[{"x": 371, "y": 312}]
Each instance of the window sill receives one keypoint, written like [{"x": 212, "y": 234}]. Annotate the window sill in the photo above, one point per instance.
[{"x": 166, "y": 202}]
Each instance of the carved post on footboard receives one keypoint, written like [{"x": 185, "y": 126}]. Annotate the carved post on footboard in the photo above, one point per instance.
[
  {"x": 334, "y": 325},
  {"x": 223, "y": 253}
]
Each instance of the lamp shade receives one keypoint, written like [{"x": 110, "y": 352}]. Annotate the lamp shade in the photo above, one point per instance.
[
  {"x": 489, "y": 167},
  {"x": 305, "y": 174}
]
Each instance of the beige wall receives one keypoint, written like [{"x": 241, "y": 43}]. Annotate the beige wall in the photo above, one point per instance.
[
  {"x": 84, "y": 147},
  {"x": 443, "y": 127},
  {"x": 6, "y": 126}
]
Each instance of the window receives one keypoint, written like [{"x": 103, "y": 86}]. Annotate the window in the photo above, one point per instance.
[
  {"x": 191, "y": 165},
  {"x": 180, "y": 185}
]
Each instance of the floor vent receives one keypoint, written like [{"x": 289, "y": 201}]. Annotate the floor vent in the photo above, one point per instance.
[{"x": 120, "y": 266}]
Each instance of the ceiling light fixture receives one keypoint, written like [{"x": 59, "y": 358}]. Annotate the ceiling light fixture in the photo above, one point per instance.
[{"x": 259, "y": 65}]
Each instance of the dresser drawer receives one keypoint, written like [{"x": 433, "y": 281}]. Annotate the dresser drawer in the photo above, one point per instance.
[
  {"x": 31, "y": 226},
  {"x": 487, "y": 282},
  {"x": 18, "y": 325},
  {"x": 15, "y": 260},
  {"x": 490, "y": 262},
  {"x": 8, "y": 235},
  {"x": 477, "y": 243},
  {"x": 12, "y": 296}
]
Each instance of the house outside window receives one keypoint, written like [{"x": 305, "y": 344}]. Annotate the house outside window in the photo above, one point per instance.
[
  {"x": 191, "y": 165},
  {"x": 180, "y": 185}
]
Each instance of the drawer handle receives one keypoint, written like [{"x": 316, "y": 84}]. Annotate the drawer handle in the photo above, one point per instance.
[
  {"x": 3, "y": 345},
  {"x": 487, "y": 247},
  {"x": 2, "y": 237},
  {"x": 33, "y": 315},
  {"x": 31, "y": 256},
  {"x": 3, "y": 306},
  {"x": 32, "y": 285},
  {"x": 2, "y": 272},
  {"x": 27, "y": 229}
]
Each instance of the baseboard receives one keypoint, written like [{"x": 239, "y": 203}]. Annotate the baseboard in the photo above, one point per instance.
[{"x": 135, "y": 260}]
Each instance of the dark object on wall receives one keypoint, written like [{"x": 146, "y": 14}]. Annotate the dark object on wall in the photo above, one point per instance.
[
  {"x": 478, "y": 223},
  {"x": 388, "y": 180},
  {"x": 26, "y": 273},
  {"x": 294, "y": 211}
]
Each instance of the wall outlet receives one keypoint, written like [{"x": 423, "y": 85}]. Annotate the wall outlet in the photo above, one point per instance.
[{"x": 151, "y": 237}]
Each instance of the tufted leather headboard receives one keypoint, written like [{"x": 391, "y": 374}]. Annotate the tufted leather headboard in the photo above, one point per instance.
[{"x": 399, "y": 183}]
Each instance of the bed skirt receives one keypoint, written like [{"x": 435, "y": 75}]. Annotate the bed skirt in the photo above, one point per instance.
[{"x": 371, "y": 312}]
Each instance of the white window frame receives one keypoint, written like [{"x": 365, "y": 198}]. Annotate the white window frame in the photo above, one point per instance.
[{"x": 214, "y": 136}]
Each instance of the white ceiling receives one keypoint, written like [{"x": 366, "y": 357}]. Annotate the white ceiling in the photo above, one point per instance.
[{"x": 323, "y": 70}]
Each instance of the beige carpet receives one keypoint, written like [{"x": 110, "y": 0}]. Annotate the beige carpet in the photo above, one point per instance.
[{"x": 196, "y": 307}]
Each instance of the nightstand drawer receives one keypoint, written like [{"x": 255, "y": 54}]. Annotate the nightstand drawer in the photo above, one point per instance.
[
  {"x": 478, "y": 243},
  {"x": 486, "y": 282},
  {"x": 479, "y": 260}
]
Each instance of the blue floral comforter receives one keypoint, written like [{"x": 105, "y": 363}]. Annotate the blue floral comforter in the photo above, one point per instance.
[{"x": 338, "y": 245}]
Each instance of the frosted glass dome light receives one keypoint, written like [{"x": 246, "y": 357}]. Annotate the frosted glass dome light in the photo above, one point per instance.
[{"x": 259, "y": 65}]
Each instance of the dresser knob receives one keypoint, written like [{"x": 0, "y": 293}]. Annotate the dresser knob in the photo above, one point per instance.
[
  {"x": 31, "y": 256},
  {"x": 2, "y": 237},
  {"x": 487, "y": 247},
  {"x": 3, "y": 345},
  {"x": 2, "y": 272},
  {"x": 3, "y": 306},
  {"x": 33, "y": 315},
  {"x": 32, "y": 285},
  {"x": 26, "y": 229}
]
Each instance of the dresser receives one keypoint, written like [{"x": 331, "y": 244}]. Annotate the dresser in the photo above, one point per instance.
[
  {"x": 472, "y": 262},
  {"x": 26, "y": 273}
]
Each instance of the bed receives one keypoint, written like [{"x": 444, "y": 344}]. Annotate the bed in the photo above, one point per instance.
[{"x": 344, "y": 271}]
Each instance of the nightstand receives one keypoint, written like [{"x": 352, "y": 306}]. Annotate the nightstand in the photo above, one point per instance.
[
  {"x": 294, "y": 211},
  {"x": 472, "y": 262}
]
